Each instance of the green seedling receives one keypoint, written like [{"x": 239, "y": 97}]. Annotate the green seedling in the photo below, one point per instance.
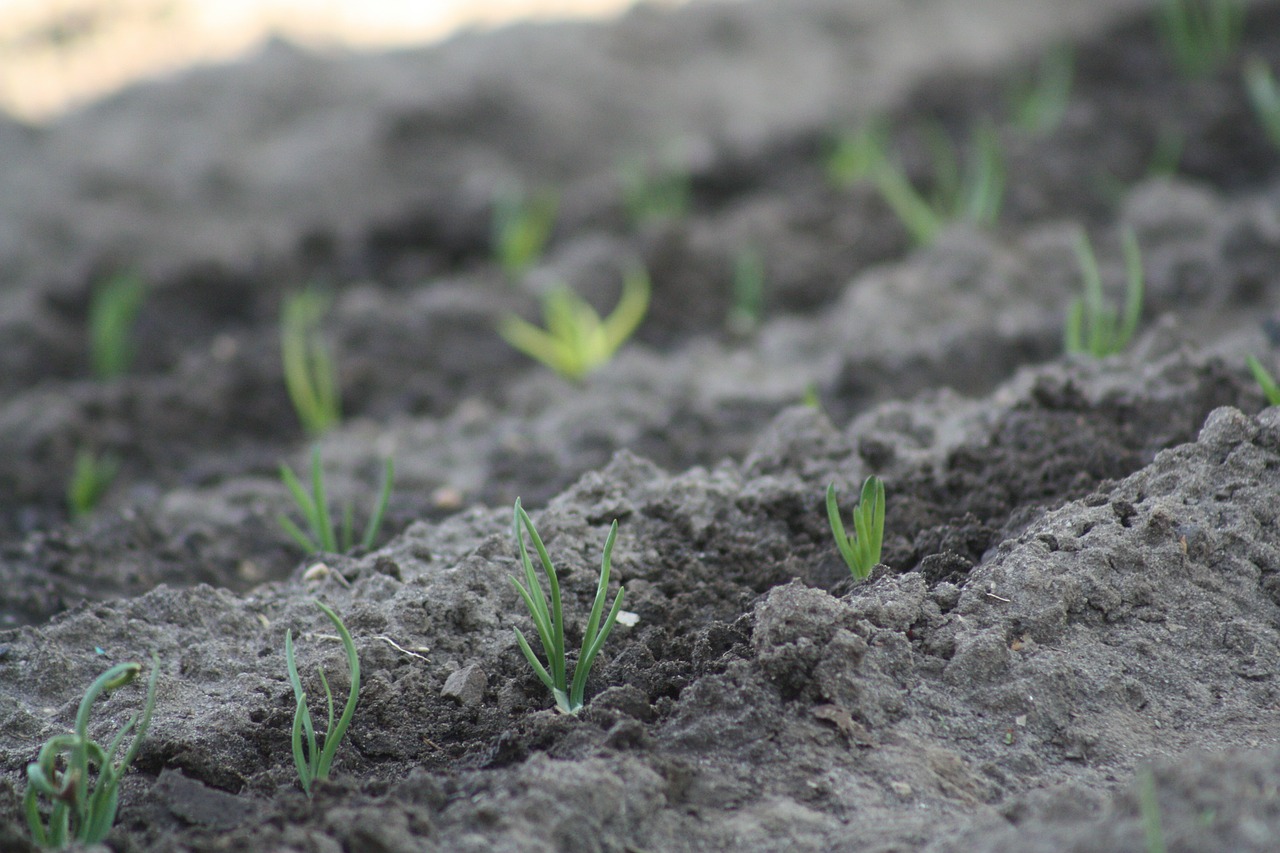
[
  {"x": 522, "y": 226},
  {"x": 861, "y": 549},
  {"x": 1149, "y": 808},
  {"x": 1200, "y": 36},
  {"x": 309, "y": 373},
  {"x": 810, "y": 397},
  {"x": 320, "y": 535},
  {"x": 78, "y": 776},
  {"x": 854, "y": 155},
  {"x": 1038, "y": 102},
  {"x": 1094, "y": 328},
  {"x": 549, "y": 621},
  {"x": 973, "y": 193},
  {"x": 112, "y": 314},
  {"x": 1265, "y": 381},
  {"x": 90, "y": 480},
  {"x": 1264, "y": 96},
  {"x": 748, "y": 293},
  {"x": 576, "y": 340},
  {"x": 313, "y": 765},
  {"x": 652, "y": 194}
]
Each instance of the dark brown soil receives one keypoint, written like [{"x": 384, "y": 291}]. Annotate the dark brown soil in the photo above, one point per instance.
[{"x": 1080, "y": 580}]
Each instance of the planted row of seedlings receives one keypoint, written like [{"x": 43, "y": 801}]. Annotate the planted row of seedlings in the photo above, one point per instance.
[{"x": 72, "y": 792}]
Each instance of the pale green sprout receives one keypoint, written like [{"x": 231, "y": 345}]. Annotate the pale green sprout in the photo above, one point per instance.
[
  {"x": 1039, "y": 102},
  {"x": 314, "y": 764},
  {"x": 1094, "y": 328},
  {"x": 748, "y": 292},
  {"x": 90, "y": 479},
  {"x": 860, "y": 549},
  {"x": 549, "y": 620},
  {"x": 112, "y": 314},
  {"x": 973, "y": 193},
  {"x": 320, "y": 535},
  {"x": 84, "y": 808},
  {"x": 576, "y": 340},
  {"x": 522, "y": 226},
  {"x": 309, "y": 372},
  {"x": 1149, "y": 808},
  {"x": 1200, "y": 35},
  {"x": 1265, "y": 381},
  {"x": 658, "y": 193},
  {"x": 1264, "y": 96},
  {"x": 855, "y": 155},
  {"x": 810, "y": 397}
]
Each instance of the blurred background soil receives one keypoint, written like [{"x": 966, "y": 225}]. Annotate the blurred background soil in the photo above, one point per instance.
[{"x": 55, "y": 54}]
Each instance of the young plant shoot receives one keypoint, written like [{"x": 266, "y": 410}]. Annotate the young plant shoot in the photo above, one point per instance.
[
  {"x": 1264, "y": 96},
  {"x": 652, "y": 194},
  {"x": 521, "y": 228},
  {"x": 320, "y": 536},
  {"x": 112, "y": 315},
  {"x": 90, "y": 480},
  {"x": 747, "y": 309},
  {"x": 549, "y": 620},
  {"x": 1265, "y": 381},
  {"x": 576, "y": 340},
  {"x": 309, "y": 373},
  {"x": 78, "y": 776},
  {"x": 313, "y": 765},
  {"x": 1200, "y": 36},
  {"x": 854, "y": 155},
  {"x": 860, "y": 549},
  {"x": 1094, "y": 328},
  {"x": 1039, "y": 101},
  {"x": 973, "y": 193}
]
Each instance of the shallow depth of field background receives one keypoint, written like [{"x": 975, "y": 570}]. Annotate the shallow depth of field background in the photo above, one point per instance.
[{"x": 56, "y": 53}]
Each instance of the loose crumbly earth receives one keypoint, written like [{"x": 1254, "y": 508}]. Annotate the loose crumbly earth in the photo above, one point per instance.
[{"x": 1081, "y": 593}]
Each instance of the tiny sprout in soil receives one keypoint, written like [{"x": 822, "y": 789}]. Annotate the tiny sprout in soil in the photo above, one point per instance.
[
  {"x": 314, "y": 765},
  {"x": 549, "y": 620},
  {"x": 860, "y": 549}
]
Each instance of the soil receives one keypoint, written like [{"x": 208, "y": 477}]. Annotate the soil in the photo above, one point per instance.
[{"x": 1074, "y": 635}]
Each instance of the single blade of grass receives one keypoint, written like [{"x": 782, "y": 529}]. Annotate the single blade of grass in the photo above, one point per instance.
[
  {"x": 90, "y": 479},
  {"x": 589, "y": 636},
  {"x": 374, "y": 526},
  {"x": 1265, "y": 380},
  {"x": 747, "y": 309},
  {"x": 320, "y": 503},
  {"x": 1264, "y": 96},
  {"x": 982, "y": 194},
  {"x": 1149, "y": 808},
  {"x": 113, "y": 313}
]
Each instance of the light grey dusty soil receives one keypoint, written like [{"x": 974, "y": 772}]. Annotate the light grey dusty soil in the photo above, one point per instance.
[{"x": 1077, "y": 626}]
